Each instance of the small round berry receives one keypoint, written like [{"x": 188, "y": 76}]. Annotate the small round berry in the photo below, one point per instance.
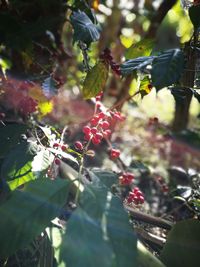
[
  {"x": 114, "y": 153},
  {"x": 78, "y": 145},
  {"x": 101, "y": 115},
  {"x": 165, "y": 188},
  {"x": 94, "y": 121},
  {"x": 2, "y": 115},
  {"x": 99, "y": 135},
  {"x": 55, "y": 145},
  {"x": 94, "y": 130},
  {"x": 140, "y": 199},
  {"x": 107, "y": 133},
  {"x": 57, "y": 161},
  {"x": 87, "y": 137},
  {"x": 105, "y": 125},
  {"x": 96, "y": 140},
  {"x": 150, "y": 86},
  {"x": 64, "y": 147},
  {"x": 86, "y": 130}
]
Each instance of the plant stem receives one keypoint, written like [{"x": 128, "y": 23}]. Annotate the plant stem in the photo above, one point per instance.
[
  {"x": 143, "y": 217},
  {"x": 79, "y": 180}
]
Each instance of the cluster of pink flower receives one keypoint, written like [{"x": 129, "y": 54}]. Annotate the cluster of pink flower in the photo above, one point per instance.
[
  {"x": 100, "y": 126},
  {"x": 126, "y": 178},
  {"x": 135, "y": 196}
]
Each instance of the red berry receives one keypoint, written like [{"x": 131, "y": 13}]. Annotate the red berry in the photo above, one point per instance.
[
  {"x": 87, "y": 137},
  {"x": 94, "y": 130},
  {"x": 57, "y": 161},
  {"x": 150, "y": 86},
  {"x": 99, "y": 135},
  {"x": 55, "y": 145},
  {"x": 101, "y": 115},
  {"x": 165, "y": 188},
  {"x": 107, "y": 133},
  {"x": 78, "y": 145},
  {"x": 114, "y": 153},
  {"x": 94, "y": 121},
  {"x": 96, "y": 140},
  {"x": 2, "y": 115},
  {"x": 64, "y": 147},
  {"x": 141, "y": 199},
  {"x": 105, "y": 125},
  {"x": 86, "y": 129}
]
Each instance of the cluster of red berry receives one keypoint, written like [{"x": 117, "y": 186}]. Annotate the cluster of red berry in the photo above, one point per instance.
[
  {"x": 164, "y": 187},
  {"x": 107, "y": 58},
  {"x": 100, "y": 126},
  {"x": 63, "y": 147},
  {"x": 135, "y": 196},
  {"x": 126, "y": 178}
]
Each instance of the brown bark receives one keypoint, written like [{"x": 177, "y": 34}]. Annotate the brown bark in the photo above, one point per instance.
[{"x": 181, "y": 117}]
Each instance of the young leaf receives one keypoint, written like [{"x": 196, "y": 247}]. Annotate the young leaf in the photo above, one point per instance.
[
  {"x": 27, "y": 213},
  {"x": 167, "y": 68},
  {"x": 95, "y": 80},
  {"x": 99, "y": 225},
  {"x": 84, "y": 29},
  {"x": 17, "y": 166},
  {"x": 140, "y": 49},
  {"x": 49, "y": 87},
  {"x": 140, "y": 63},
  {"x": 10, "y": 136},
  {"x": 183, "y": 245}
]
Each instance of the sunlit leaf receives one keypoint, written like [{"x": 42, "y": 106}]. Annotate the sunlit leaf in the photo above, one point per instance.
[
  {"x": 17, "y": 166},
  {"x": 140, "y": 49},
  {"x": 45, "y": 107},
  {"x": 145, "y": 86},
  {"x": 140, "y": 63},
  {"x": 95, "y": 80}
]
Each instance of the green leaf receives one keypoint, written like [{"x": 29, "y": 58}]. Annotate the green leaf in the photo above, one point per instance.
[
  {"x": 49, "y": 87},
  {"x": 140, "y": 63},
  {"x": 27, "y": 213},
  {"x": 41, "y": 162},
  {"x": 98, "y": 229},
  {"x": 95, "y": 80},
  {"x": 108, "y": 178},
  {"x": 183, "y": 245},
  {"x": 145, "y": 86},
  {"x": 167, "y": 68},
  {"x": 140, "y": 49},
  {"x": 194, "y": 13},
  {"x": 17, "y": 166},
  {"x": 10, "y": 136},
  {"x": 84, "y": 29}
]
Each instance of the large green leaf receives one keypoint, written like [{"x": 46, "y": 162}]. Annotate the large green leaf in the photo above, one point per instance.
[
  {"x": 167, "y": 68},
  {"x": 182, "y": 248},
  {"x": 10, "y": 136},
  {"x": 84, "y": 29},
  {"x": 26, "y": 213},
  {"x": 140, "y": 49},
  {"x": 17, "y": 166},
  {"x": 25, "y": 163},
  {"x": 95, "y": 80},
  {"x": 140, "y": 63},
  {"x": 98, "y": 232},
  {"x": 194, "y": 13}
]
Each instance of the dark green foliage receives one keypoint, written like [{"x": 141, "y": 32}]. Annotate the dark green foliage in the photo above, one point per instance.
[
  {"x": 167, "y": 68},
  {"x": 84, "y": 29},
  {"x": 194, "y": 13},
  {"x": 183, "y": 245},
  {"x": 29, "y": 212}
]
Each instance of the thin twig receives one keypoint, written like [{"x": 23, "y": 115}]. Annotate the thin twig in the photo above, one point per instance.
[{"x": 143, "y": 217}]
